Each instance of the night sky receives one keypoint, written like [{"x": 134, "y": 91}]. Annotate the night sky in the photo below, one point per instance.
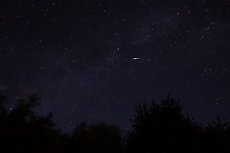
[{"x": 94, "y": 60}]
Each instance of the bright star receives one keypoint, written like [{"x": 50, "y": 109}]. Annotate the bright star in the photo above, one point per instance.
[{"x": 136, "y": 58}]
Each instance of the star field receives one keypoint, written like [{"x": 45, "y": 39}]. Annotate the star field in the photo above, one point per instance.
[{"x": 95, "y": 60}]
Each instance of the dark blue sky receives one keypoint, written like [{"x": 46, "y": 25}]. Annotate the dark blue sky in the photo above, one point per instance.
[{"x": 95, "y": 60}]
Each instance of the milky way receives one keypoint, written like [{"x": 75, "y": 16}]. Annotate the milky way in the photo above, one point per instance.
[{"x": 95, "y": 60}]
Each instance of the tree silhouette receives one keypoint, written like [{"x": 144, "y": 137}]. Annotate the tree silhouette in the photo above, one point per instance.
[
  {"x": 217, "y": 136},
  {"x": 100, "y": 137},
  {"x": 162, "y": 128},
  {"x": 22, "y": 131},
  {"x": 157, "y": 127}
]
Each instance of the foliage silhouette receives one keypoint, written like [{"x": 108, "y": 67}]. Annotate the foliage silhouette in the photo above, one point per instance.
[
  {"x": 158, "y": 127},
  {"x": 100, "y": 137},
  {"x": 22, "y": 131},
  {"x": 217, "y": 136},
  {"x": 162, "y": 128}
]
